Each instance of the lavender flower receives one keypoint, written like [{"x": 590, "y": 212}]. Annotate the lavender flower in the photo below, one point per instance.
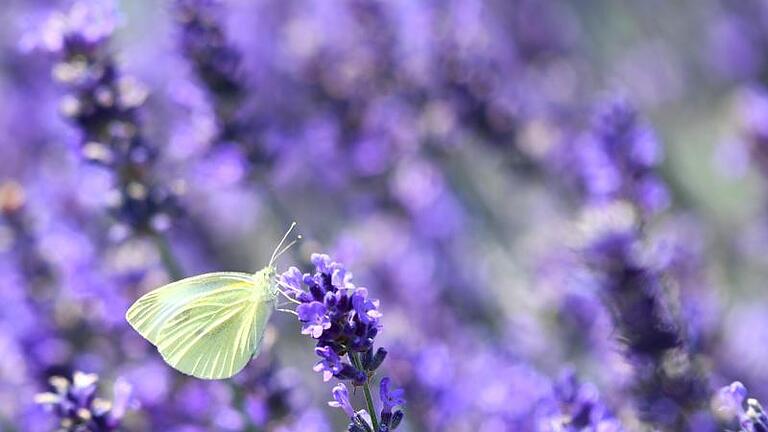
[
  {"x": 345, "y": 322},
  {"x": 655, "y": 342},
  {"x": 621, "y": 180},
  {"x": 755, "y": 124},
  {"x": 14, "y": 214},
  {"x": 390, "y": 399},
  {"x": 217, "y": 64},
  {"x": 616, "y": 159},
  {"x": 341, "y": 400},
  {"x": 75, "y": 404},
  {"x": 274, "y": 393},
  {"x": 575, "y": 407},
  {"x": 332, "y": 310},
  {"x": 729, "y": 403},
  {"x": 391, "y": 125},
  {"x": 313, "y": 318},
  {"x": 105, "y": 107}
]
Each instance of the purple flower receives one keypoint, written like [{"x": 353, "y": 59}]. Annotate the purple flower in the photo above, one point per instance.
[
  {"x": 104, "y": 106},
  {"x": 314, "y": 318},
  {"x": 617, "y": 157},
  {"x": 340, "y": 277},
  {"x": 366, "y": 310},
  {"x": 292, "y": 279},
  {"x": 217, "y": 65},
  {"x": 341, "y": 400},
  {"x": 729, "y": 401},
  {"x": 390, "y": 399},
  {"x": 650, "y": 330},
  {"x": 330, "y": 311},
  {"x": 330, "y": 365},
  {"x": 729, "y": 404},
  {"x": 204, "y": 44},
  {"x": 77, "y": 407},
  {"x": 345, "y": 323},
  {"x": 322, "y": 262},
  {"x": 754, "y": 107},
  {"x": 85, "y": 22},
  {"x": 574, "y": 406}
]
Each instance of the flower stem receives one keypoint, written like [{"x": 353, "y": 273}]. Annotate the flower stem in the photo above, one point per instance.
[
  {"x": 166, "y": 255},
  {"x": 354, "y": 357}
]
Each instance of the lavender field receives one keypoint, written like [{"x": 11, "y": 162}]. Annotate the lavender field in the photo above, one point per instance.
[{"x": 556, "y": 214}]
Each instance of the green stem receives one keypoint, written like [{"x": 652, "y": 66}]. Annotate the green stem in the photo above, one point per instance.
[
  {"x": 166, "y": 255},
  {"x": 354, "y": 357}
]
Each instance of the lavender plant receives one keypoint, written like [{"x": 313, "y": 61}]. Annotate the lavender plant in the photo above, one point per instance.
[
  {"x": 217, "y": 65},
  {"x": 345, "y": 322},
  {"x": 105, "y": 105},
  {"x": 742, "y": 26},
  {"x": 575, "y": 406},
  {"x": 78, "y": 409},
  {"x": 618, "y": 162},
  {"x": 436, "y": 147}
]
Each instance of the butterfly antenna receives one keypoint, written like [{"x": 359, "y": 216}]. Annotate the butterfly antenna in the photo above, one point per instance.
[
  {"x": 288, "y": 246},
  {"x": 275, "y": 253}
]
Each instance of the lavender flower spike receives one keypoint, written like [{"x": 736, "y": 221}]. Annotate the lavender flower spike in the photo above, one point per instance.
[
  {"x": 104, "y": 106},
  {"x": 77, "y": 407},
  {"x": 345, "y": 322}
]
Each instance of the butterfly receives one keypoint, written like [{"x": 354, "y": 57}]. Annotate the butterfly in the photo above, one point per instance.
[{"x": 211, "y": 325}]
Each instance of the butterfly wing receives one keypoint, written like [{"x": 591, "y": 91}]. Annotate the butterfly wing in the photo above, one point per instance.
[
  {"x": 215, "y": 335},
  {"x": 149, "y": 314}
]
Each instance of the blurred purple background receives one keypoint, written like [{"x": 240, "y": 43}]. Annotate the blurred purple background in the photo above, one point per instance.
[{"x": 560, "y": 205}]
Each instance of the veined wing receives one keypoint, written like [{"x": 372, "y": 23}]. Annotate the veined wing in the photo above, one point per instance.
[
  {"x": 149, "y": 314},
  {"x": 216, "y": 335}
]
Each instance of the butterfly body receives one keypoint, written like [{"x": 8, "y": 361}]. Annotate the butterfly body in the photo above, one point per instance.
[{"x": 208, "y": 326}]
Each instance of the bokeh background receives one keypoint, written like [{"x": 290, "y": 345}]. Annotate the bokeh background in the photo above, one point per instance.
[{"x": 539, "y": 192}]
